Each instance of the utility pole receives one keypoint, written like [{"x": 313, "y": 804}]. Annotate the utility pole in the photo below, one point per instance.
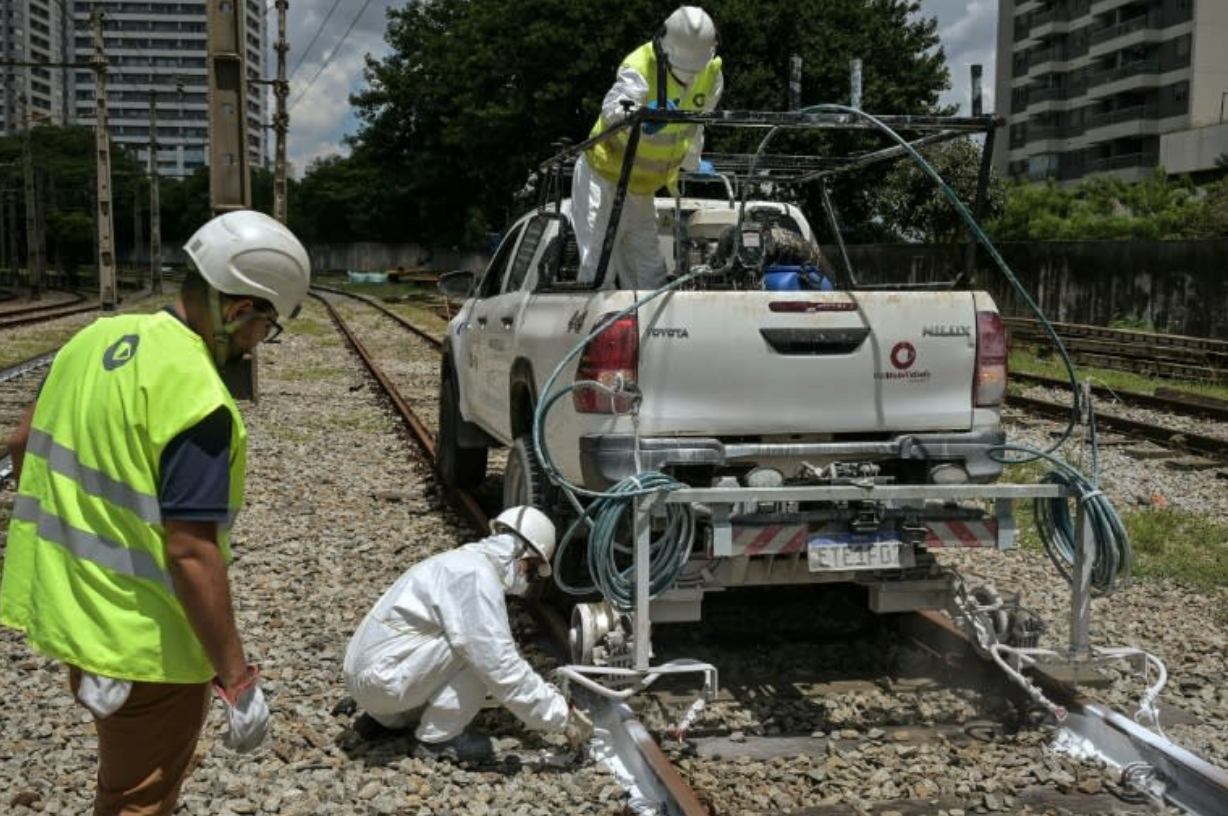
[
  {"x": 11, "y": 217},
  {"x": 229, "y": 177},
  {"x": 155, "y": 204},
  {"x": 106, "y": 230},
  {"x": 34, "y": 246},
  {"x": 281, "y": 121}
]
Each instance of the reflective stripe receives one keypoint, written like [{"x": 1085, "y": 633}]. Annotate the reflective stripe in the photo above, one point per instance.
[
  {"x": 86, "y": 546},
  {"x": 64, "y": 461}
]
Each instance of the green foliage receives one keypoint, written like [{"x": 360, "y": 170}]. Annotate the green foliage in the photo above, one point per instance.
[
  {"x": 915, "y": 208},
  {"x": 476, "y": 92},
  {"x": 1106, "y": 208},
  {"x": 66, "y": 187},
  {"x": 1178, "y": 544}
]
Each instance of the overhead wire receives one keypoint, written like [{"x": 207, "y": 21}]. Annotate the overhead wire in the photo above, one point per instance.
[
  {"x": 315, "y": 38},
  {"x": 303, "y": 93}
]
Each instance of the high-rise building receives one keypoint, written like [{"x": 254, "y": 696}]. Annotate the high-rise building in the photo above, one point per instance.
[
  {"x": 1111, "y": 86},
  {"x": 32, "y": 32},
  {"x": 157, "y": 47},
  {"x": 161, "y": 47}
]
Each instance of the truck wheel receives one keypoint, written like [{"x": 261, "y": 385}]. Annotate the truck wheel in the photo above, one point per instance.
[
  {"x": 458, "y": 467},
  {"x": 524, "y": 478}
]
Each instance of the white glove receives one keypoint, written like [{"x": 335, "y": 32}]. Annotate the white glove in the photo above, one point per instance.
[
  {"x": 579, "y": 729},
  {"x": 103, "y": 695},
  {"x": 246, "y": 712}
]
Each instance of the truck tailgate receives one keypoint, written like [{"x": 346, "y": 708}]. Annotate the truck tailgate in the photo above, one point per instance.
[{"x": 722, "y": 363}]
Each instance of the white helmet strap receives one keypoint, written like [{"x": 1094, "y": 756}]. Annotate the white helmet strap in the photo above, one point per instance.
[{"x": 221, "y": 330}]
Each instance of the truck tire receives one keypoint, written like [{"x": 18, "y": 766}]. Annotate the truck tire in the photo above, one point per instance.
[
  {"x": 458, "y": 467},
  {"x": 524, "y": 478}
]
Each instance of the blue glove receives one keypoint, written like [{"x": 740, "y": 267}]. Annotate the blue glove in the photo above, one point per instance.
[
  {"x": 706, "y": 168},
  {"x": 653, "y": 127}
]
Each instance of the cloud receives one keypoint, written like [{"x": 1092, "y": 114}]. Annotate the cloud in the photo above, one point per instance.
[
  {"x": 968, "y": 30},
  {"x": 326, "y": 73}
]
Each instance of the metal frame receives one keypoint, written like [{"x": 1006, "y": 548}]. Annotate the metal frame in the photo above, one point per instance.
[{"x": 746, "y": 170}]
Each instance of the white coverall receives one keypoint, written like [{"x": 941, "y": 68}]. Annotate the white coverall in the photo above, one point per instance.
[
  {"x": 440, "y": 638},
  {"x": 636, "y": 262}
]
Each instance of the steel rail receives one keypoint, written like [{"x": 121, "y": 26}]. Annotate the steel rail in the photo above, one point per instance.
[
  {"x": 26, "y": 366},
  {"x": 30, "y": 319},
  {"x": 682, "y": 799},
  {"x": 1173, "y": 405},
  {"x": 1174, "y": 775},
  {"x": 1184, "y": 440}
]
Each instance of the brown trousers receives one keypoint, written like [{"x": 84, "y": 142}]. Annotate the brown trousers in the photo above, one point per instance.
[{"x": 146, "y": 747}]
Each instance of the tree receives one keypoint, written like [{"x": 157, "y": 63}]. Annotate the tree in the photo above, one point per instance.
[
  {"x": 475, "y": 92},
  {"x": 66, "y": 169},
  {"x": 915, "y": 208},
  {"x": 1107, "y": 208}
]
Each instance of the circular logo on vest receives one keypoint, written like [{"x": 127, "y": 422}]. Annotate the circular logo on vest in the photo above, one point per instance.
[
  {"x": 903, "y": 355},
  {"x": 120, "y": 352},
  {"x": 699, "y": 99}
]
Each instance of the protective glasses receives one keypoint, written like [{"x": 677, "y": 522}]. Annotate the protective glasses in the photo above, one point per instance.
[{"x": 271, "y": 329}]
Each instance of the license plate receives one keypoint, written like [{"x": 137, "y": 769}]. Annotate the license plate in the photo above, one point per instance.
[{"x": 848, "y": 552}]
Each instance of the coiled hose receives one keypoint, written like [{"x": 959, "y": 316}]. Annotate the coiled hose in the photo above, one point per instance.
[
  {"x": 611, "y": 565},
  {"x": 1113, "y": 556}
]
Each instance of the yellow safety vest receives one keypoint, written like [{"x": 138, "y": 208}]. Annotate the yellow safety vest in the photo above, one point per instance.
[
  {"x": 658, "y": 155},
  {"x": 86, "y": 573}
]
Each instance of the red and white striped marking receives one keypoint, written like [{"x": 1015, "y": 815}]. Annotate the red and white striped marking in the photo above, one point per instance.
[
  {"x": 961, "y": 534},
  {"x": 769, "y": 539}
]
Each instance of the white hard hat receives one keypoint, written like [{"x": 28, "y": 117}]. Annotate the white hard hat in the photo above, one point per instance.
[
  {"x": 531, "y": 525},
  {"x": 245, "y": 252},
  {"x": 689, "y": 39}
]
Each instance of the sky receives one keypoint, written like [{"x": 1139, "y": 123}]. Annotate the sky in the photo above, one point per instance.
[{"x": 330, "y": 38}]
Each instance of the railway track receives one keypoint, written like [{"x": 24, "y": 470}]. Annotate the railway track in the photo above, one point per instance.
[
  {"x": 64, "y": 305},
  {"x": 808, "y": 720},
  {"x": 718, "y": 744},
  {"x": 1163, "y": 356}
]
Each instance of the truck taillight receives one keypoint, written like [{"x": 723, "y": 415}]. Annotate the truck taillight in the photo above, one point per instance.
[
  {"x": 989, "y": 387},
  {"x": 609, "y": 356}
]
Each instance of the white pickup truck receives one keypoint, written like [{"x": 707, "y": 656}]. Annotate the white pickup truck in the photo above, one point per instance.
[{"x": 768, "y": 368}]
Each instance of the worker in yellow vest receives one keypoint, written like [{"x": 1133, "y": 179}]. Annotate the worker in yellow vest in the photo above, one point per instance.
[
  {"x": 677, "y": 70},
  {"x": 131, "y": 467}
]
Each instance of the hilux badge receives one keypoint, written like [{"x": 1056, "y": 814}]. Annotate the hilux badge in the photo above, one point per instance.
[{"x": 939, "y": 330}]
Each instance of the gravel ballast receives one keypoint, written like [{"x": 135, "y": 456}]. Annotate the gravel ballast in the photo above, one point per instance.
[{"x": 339, "y": 503}]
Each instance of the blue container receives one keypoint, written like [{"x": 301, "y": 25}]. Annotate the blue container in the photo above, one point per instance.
[
  {"x": 793, "y": 278},
  {"x": 781, "y": 279}
]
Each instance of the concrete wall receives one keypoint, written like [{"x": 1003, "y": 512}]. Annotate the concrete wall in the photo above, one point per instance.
[
  {"x": 1177, "y": 287},
  {"x": 374, "y": 257}
]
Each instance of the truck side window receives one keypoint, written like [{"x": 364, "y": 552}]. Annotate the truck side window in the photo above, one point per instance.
[
  {"x": 524, "y": 254},
  {"x": 499, "y": 264}
]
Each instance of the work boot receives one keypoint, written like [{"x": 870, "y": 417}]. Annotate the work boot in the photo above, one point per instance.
[
  {"x": 463, "y": 748},
  {"x": 387, "y": 726},
  {"x": 372, "y": 730}
]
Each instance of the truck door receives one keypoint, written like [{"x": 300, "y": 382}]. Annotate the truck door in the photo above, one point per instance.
[
  {"x": 486, "y": 404},
  {"x": 502, "y": 322}
]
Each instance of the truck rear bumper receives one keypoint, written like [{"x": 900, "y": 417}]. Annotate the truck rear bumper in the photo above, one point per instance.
[{"x": 606, "y": 459}]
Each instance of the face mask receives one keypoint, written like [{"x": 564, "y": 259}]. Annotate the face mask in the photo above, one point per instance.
[{"x": 520, "y": 583}]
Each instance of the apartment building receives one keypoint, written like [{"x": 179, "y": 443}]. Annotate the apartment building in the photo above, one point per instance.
[
  {"x": 1111, "y": 86},
  {"x": 32, "y": 32},
  {"x": 155, "y": 47}
]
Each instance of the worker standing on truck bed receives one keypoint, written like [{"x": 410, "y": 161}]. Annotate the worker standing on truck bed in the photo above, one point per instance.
[
  {"x": 131, "y": 466},
  {"x": 677, "y": 70},
  {"x": 439, "y": 641}
]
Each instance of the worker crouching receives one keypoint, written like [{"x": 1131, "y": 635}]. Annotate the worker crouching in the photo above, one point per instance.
[{"x": 439, "y": 642}]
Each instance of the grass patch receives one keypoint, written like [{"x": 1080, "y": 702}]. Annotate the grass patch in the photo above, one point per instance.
[
  {"x": 315, "y": 374},
  {"x": 1026, "y": 360},
  {"x": 1177, "y": 544}
]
